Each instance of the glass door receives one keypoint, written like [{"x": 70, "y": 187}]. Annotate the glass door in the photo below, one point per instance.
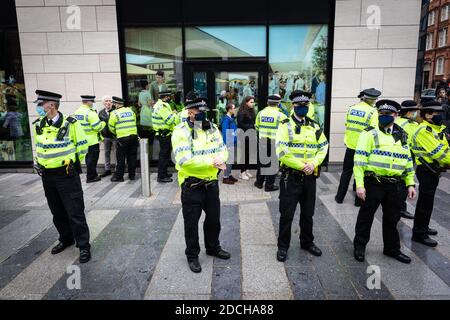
[{"x": 226, "y": 83}]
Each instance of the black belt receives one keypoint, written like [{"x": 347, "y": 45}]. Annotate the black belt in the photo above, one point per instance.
[
  {"x": 386, "y": 179},
  {"x": 287, "y": 171},
  {"x": 195, "y": 183}
]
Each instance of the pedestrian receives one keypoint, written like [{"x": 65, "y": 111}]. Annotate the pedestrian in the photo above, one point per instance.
[
  {"x": 108, "y": 138},
  {"x": 122, "y": 124},
  {"x": 408, "y": 122},
  {"x": 92, "y": 126},
  {"x": 432, "y": 154},
  {"x": 359, "y": 117},
  {"x": 246, "y": 121},
  {"x": 158, "y": 86},
  {"x": 383, "y": 164},
  {"x": 199, "y": 154},
  {"x": 301, "y": 149},
  {"x": 61, "y": 145},
  {"x": 164, "y": 120},
  {"x": 229, "y": 127},
  {"x": 267, "y": 123}
]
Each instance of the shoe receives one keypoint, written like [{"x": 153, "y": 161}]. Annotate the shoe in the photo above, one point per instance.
[
  {"x": 227, "y": 181},
  {"x": 243, "y": 176},
  {"x": 132, "y": 178},
  {"x": 97, "y": 178},
  {"x": 312, "y": 248},
  {"x": 233, "y": 179},
  {"x": 248, "y": 174},
  {"x": 432, "y": 232},
  {"x": 106, "y": 173},
  {"x": 221, "y": 254},
  {"x": 194, "y": 265},
  {"x": 271, "y": 188},
  {"x": 85, "y": 255},
  {"x": 169, "y": 175},
  {"x": 338, "y": 200},
  {"x": 403, "y": 258},
  {"x": 406, "y": 215},
  {"x": 426, "y": 241},
  {"x": 359, "y": 255},
  {"x": 281, "y": 255},
  {"x": 60, "y": 247},
  {"x": 165, "y": 180},
  {"x": 117, "y": 179},
  {"x": 259, "y": 186}
]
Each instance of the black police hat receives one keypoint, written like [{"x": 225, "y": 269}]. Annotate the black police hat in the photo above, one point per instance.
[
  {"x": 432, "y": 106},
  {"x": 166, "y": 93},
  {"x": 273, "y": 99},
  {"x": 200, "y": 103},
  {"x": 117, "y": 100},
  {"x": 190, "y": 96},
  {"x": 409, "y": 105},
  {"x": 87, "y": 97},
  {"x": 388, "y": 105},
  {"x": 47, "y": 96},
  {"x": 370, "y": 93},
  {"x": 299, "y": 96}
]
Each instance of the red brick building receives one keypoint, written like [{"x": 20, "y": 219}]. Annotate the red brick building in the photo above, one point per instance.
[{"x": 437, "y": 54}]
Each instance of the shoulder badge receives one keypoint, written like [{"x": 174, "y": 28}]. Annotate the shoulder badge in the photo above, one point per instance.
[
  {"x": 429, "y": 129},
  {"x": 71, "y": 119},
  {"x": 285, "y": 121},
  {"x": 369, "y": 128}
]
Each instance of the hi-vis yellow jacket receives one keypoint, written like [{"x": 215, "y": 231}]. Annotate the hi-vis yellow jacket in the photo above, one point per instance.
[{"x": 359, "y": 117}]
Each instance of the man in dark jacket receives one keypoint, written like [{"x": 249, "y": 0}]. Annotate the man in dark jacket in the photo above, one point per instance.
[{"x": 109, "y": 140}]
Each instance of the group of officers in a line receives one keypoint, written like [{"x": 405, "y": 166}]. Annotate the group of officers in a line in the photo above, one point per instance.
[{"x": 379, "y": 154}]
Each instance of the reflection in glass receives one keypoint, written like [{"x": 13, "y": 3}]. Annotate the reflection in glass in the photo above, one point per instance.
[
  {"x": 233, "y": 87},
  {"x": 15, "y": 139},
  {"x": 200, "y": 84},
  {"x": 298, "y": 61},
  {"x": 226, "y": 42}
]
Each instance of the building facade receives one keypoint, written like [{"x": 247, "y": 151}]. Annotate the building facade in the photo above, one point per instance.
[
  {"x": 108, "y": 47},
  {"x": 437, "y": 50}
]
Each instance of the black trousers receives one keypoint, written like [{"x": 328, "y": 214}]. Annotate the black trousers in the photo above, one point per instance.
[
  {"x": 346, "y": 175},
  {"x": 265, "y": 148},
  {"x": 65, "y": 200},
  {"x": 386, "y": 194},
  {"x": 165, "y": 148},
  {"x": 126, "y": 150},
  {"x": 403, "y": 197},
  {"x": 92, "y": 160},
  {"x": 294, "y": 190},
  {"x": 428, "y": 183},
  {"x": 193, "y": 202}
]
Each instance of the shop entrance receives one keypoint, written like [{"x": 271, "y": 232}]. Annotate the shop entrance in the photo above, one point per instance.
[{"x": 222, "y": 83}]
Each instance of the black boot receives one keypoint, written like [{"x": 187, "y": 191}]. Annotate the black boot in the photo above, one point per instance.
[{"x": 194, "y": 265}]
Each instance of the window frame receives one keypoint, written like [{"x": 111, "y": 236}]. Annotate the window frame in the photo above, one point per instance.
[{"x": 440, "y": 66}]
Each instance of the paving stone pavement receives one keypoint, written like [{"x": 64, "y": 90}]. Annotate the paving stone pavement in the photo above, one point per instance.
[{"x": 138, "y": 247}]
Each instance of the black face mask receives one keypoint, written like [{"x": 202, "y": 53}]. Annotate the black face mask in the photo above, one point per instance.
[{"x": 437, "y": 119}]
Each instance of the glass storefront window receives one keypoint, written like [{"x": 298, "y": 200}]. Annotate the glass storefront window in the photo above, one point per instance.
[
  {"x": 148, "y": 52},
  {"x": 226, "y": 42},
  {"x": 15, "y": 139},
  {"x": 298, "y": 61}
]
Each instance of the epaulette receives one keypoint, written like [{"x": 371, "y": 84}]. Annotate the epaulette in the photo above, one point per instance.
[
  {"x": 71, "y": 119},
  {"x": 285, "y": 121},
  {"x": 369, "y": 128},
  {"x": 429, "y": 129},
  {"x": 36, "y": 121}
]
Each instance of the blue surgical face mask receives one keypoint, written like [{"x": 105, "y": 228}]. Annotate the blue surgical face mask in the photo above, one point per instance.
[
  {"x": 301, "y": 111},
  {"x": 201, "y": 116},
  {"x": 437, "y": 119},
  {"x": 385, "y": 119},
  {"x": 41, "y": 111}
]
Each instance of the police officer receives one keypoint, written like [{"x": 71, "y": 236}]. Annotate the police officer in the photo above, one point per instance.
[
  {"x": 92, "y": 126},
  {"x": 301, "y": 148},
  {"x": 122, "y": 124},
  {"x": 382, "y": 161},
  {"x": 61, "y": 145},
  {"x": 407, "y": 121},
  {"x": 432, "y": 155},
  {"x": 359, "y": 117},
  {"x": 199, "y": 154},
  {"x": 266, "y": 124},
  {"x": 164, "y": 120}
]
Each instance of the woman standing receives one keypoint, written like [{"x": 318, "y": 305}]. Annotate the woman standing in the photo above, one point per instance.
[{"x": 246, "y": 121}]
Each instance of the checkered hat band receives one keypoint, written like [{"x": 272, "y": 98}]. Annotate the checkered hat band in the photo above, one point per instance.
[
  {"x": 197, "y": 104},
  {"x": 272, "y": 101},
  {"x": 388, "y": 107},
  {"x": 300, "y": 99},
  {"x": 44, "y": 98}
]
